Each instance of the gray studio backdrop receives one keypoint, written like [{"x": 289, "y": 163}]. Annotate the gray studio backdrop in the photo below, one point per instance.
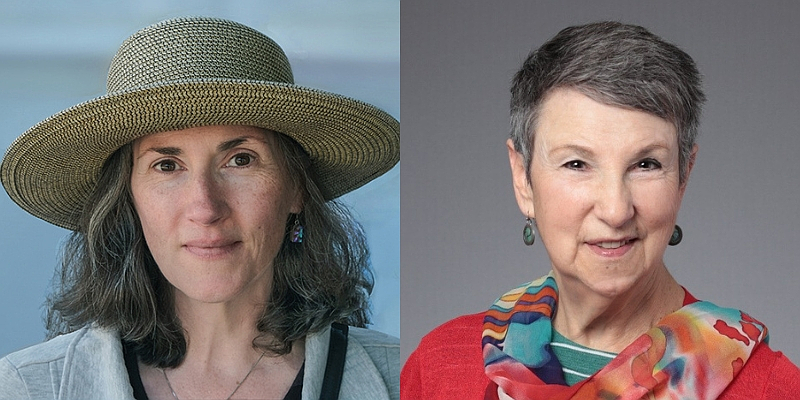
[
  {"x": 56, "y": 54},
  {"x": 461, "y": 228}
]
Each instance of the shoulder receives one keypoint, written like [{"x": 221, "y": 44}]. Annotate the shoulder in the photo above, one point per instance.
[
  {"x": 383, "y": 352},
  {"x": 30, "y": 372},
  {"x": 371, "y": 365},
  {"x": 382, "y": 349},
  {"x": 459, "y": 339},
  {"x": 37, "y": 371},
  {"x": 448, "y": 363},
  {"x": 53, "y": 350},
  {"x": 768, "y": 374},
  {"x": 464, "y": 331},
  {"x": 373, "y": 339}
]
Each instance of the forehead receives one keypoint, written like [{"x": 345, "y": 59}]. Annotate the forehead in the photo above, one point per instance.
[
  {"x": 568, "y": 116},
  {"x": 204, "y": 135}
]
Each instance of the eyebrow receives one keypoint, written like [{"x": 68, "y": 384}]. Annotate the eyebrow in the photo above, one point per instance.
[
  {"x": 176, "y": 151},
  {"x": 650, "y": 148},
  {"x": 586, "y": 152},
  {"x": 227, "y": 145},
  {"x": 582, "y": 151},
  {"x": 167, "y": 151}
]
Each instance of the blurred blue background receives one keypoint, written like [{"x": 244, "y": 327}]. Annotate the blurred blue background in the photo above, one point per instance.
[{"x": 56, "y": 54}]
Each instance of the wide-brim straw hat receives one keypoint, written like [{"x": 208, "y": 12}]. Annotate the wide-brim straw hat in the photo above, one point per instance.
[{"x": 190, "y": 72}]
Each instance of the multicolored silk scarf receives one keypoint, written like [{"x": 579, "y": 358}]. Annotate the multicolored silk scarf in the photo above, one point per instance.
[{"x": 694, "y": 352}]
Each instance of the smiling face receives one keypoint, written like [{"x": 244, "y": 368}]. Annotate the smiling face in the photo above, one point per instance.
[
  {"x": 213, "y": 203},
  {"x": 604, "y": 188}
]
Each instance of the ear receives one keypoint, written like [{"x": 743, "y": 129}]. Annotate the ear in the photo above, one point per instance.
[
  {"x": 689, "y": 166},
  {"x": 519, "y": 177},
  {"x": 296, "y": 209},
  {"x": 298, "y": 198}
]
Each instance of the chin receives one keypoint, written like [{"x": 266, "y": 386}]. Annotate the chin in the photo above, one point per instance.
[
  {"x": 210, "y": 297},
  {"x": 611, "y": 284},
  {"x": 610, "y": 288},
  {"x": 211, "y": 293}
]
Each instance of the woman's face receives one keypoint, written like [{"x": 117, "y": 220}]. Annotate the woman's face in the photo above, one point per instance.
[
  {"x": 213, "y": 202},
  {"x": 604, "y": 189}
]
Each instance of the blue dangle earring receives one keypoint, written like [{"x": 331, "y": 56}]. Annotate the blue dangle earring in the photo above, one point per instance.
[
  {"x": 677, "y": 236},
  {"x": 296, "y": 235},
  {"x": 528, "y": 234}
]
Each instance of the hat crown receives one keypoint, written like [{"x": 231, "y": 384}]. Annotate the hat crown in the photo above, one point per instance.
[{"x": 196, "y": 49}]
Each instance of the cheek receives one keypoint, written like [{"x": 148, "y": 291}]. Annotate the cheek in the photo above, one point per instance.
[
  {"x": 264, "y": 216},
  {"x": 560, "y": 209},
  {"x": 264, "y": 207},
  {"x": 154, "y": 217},
  {"x": 559, "y": 203},
  {"x": 657, "y": 203}
]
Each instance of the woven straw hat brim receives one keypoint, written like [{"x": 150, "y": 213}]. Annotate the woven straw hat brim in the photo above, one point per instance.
[{"x": 51, "y": 169}]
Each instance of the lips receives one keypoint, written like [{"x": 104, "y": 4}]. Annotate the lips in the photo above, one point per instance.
[
  {"x": 612, "y": 247},
  {"x": 211, "y": 248},
  {"x": 613, "y": 244}
]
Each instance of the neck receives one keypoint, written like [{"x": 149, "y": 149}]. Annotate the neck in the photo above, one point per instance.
[
  {"x": 219, "y": 333},
  {"x": 220, "y": 354},
  {"x": 611, "y": 323}
]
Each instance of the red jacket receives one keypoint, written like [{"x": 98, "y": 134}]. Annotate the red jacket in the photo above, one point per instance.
[{"x": 448, "y": 364}]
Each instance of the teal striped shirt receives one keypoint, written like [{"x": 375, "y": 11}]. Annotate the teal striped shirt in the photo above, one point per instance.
[{"x": 578, "y": 362}]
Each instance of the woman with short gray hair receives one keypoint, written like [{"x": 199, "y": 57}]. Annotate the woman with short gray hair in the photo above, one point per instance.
[
  {"x": 604, "y": 118},
  {"x": 209, "y": 258}
]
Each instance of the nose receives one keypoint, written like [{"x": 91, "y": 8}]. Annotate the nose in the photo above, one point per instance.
[
  {"x": 614, "y": 202},
  {"x": 205, "y": 199}
]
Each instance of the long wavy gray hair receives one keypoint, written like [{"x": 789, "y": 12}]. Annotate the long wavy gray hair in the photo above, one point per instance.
[{"x": 108, "y": 276}]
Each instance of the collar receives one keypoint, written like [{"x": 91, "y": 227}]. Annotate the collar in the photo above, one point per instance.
[{"x": 94, "y": 367}]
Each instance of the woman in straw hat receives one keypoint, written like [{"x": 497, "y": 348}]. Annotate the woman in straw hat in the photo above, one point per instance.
[{"x": 207, "y": 259}]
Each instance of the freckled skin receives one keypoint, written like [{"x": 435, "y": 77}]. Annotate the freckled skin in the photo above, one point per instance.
[{"x": 213, "y": 202}]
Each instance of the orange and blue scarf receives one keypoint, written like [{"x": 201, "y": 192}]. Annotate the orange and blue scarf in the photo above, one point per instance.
[{"x": 694, "y": 352}]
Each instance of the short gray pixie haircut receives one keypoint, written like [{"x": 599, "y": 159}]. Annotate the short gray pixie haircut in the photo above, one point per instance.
[{"x": 615, "y": 64}]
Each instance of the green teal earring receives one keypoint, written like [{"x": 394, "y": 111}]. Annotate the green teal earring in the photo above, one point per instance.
[
  {"x": 528, "y": 234},
  {"x": 677, "y": 236},
  {"x": 296, "y": 235}
]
